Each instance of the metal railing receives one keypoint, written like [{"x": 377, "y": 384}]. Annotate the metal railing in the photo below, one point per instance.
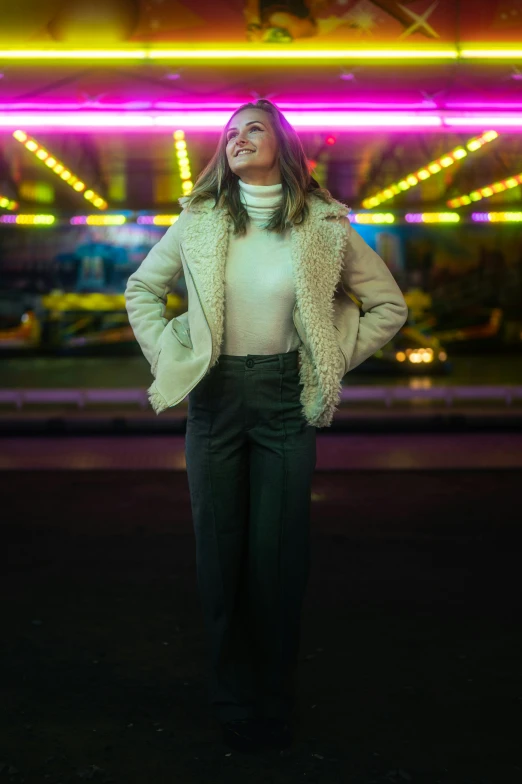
[{"x": 82, "y": 398}]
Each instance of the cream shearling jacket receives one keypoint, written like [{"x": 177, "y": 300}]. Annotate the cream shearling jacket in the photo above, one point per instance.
[{"x": 330, "y": 261}]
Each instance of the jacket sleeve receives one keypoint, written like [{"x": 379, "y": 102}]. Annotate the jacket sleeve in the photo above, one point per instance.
[
  {"x": 384, "y": 309},
  {"x": 147, "y": 289}
]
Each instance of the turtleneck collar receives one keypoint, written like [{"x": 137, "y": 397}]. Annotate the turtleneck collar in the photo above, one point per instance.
[{"x": 260, "y": 200}]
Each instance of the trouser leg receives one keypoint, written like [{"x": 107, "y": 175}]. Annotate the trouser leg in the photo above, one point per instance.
[
  {"x": 282, "y": 456},
  {"x": 250, "y": 459},
  {"x": 217, "y": 470}
]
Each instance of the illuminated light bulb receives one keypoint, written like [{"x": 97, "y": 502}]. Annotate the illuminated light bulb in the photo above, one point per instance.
[
  {"x": 400, "y": 356},
  {"x": 42, "y": 155},
  {"x": 446, "y": 161},
  {"x": 50, "y": 162},
  {"x": 511, "y": 182},
  {"x": 497, "y": 187},
  {"x": 472, "y": 146},
  {"x": 403, "y": 185},
  {"x": 79, "y": 186},
  {"x": 8, "y": 204},
  {"x": 412, "y": 179},
  {"x": 58, "y": 169},
  {"x": 181, "y": 145},
  {"x": 459, "y": 153},
  {"x": 20, "y": 136},
  {"x": 31, "y": 145},
  {"x": 179, "y": 134},
  {"x": 475, "y": 196},
  {"x": 423, "y": 174},
  {"x": 65, "y": 175},
  {"x": 487, "y": 191},
  {"x": 88, "y": 194},
  {"x": 434, "y": 168}
]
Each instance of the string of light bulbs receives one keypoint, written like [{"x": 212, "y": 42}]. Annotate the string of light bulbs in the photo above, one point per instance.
[
  {"x": 435, "y": 166},
  {"x": 59, "y": 169},
  {"x": 180, "y": 145}
]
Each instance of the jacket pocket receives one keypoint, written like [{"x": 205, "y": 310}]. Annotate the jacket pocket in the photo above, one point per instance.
[{"x": 181, "y": 333}]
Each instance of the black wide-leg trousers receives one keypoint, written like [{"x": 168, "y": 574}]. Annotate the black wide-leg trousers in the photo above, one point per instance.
[{"x": 250, "y": 457}]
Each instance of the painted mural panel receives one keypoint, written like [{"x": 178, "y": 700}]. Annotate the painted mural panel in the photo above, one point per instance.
[{"x": 321, "y": 22}]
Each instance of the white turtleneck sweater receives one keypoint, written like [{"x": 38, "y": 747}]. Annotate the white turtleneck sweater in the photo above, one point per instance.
[{"x": 259, "y": 285}]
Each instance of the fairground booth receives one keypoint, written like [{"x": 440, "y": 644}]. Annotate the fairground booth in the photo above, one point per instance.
[{"x": 409, "y": 113}]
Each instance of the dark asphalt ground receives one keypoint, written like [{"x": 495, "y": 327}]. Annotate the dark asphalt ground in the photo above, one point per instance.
[{"x": 410, "y": 664}]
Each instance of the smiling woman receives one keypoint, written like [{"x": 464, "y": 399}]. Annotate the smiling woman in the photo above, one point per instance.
[
  {"x": 252, "y": 148},
  {"x": 258, "y": 147}
]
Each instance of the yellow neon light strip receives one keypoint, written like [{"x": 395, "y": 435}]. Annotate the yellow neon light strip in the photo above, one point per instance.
[
  {"x": 504, "y": 217},
  {"x": 486, "y": 191},
  {"x": 413, "y": 179},
  {"x": 168, "y": 220},
  {"x": 183, "y": 162},
  {"x": 231, "y": 52},
  {"x": 371, "y": 217},
  {"x": 28, "y": 220},
  {"x": 440, "y": 217},
  {"x": 487, "y": 52},
  {"x": 202, "y": 52},
  {"x": 59, "y": 169},
  {"x": 105, "y": 220}
]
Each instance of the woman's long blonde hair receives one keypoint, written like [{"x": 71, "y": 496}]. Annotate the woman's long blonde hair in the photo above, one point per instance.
[{"x": 218, "y": 181}]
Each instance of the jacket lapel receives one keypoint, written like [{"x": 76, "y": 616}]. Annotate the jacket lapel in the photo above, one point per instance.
[{"x": 205, "y": 241}]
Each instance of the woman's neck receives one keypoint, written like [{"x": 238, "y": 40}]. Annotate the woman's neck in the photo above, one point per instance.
[{"x": 260, "y": 201}]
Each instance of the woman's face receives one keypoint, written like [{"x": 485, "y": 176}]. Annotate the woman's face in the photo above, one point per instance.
[{"x": 250, "y": 130}]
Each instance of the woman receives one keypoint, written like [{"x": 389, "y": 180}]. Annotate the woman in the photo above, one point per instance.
[{"x": 271, "y": 263}]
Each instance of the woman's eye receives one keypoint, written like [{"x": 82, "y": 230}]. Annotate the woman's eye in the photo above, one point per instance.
[{"x": 255, "y": 128}]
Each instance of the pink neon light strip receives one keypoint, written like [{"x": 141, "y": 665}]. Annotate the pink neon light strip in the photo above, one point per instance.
[
  {"x": 215, "y": 120},
  {"x": 230, "y": 106},
  {"x": 211, "y": 120}
]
